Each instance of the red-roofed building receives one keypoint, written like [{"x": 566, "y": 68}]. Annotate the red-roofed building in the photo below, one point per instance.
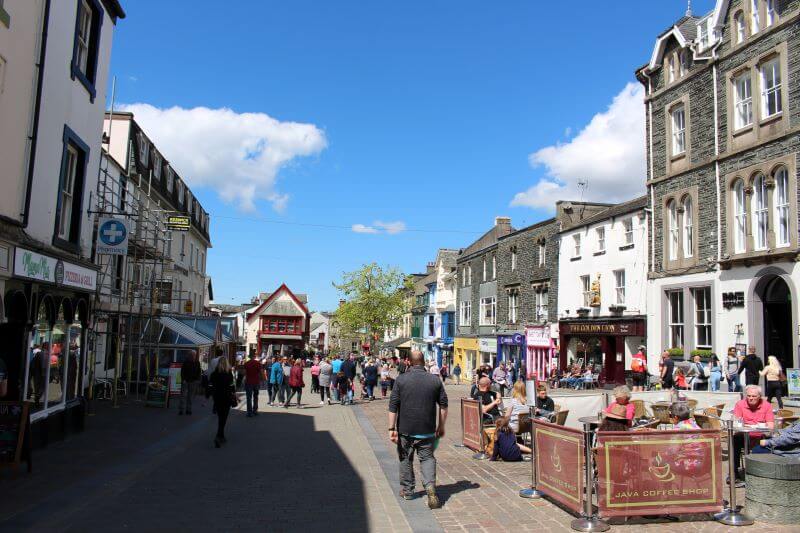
[{"x": 280, "y": 324}]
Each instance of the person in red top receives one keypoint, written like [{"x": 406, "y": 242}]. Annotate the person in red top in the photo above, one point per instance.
[
  {"x": 296, "y": 383},
  {"x": 754, "y": 410},
  {"x": 253, "y": 374},
  {"x": 639, "y": 370},
  {"x": 622, "y": 397}
]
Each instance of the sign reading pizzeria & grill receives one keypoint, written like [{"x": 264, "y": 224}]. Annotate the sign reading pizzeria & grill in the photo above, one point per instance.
[
  {"x": 658, "y": 472},
  {"x": 559, "y": 463}
]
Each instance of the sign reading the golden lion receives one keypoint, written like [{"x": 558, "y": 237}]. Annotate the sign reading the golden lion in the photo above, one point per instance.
[
  {"x": 658, "y": 472},
  {"x": 559, "y": 463},
  {"x": 471, "y": 424}
]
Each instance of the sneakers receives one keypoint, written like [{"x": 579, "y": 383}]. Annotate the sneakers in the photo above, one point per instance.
[
  {"x": 406, "y": 495},
  {"x": 433, "y": 499},
  {"x": 322, "y": 402}
]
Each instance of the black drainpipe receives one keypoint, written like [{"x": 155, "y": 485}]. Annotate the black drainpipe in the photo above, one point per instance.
[{"x": 37, "y": 108}]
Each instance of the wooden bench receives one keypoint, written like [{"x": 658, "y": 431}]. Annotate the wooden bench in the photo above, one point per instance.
[{"x": 773, "y": 488}]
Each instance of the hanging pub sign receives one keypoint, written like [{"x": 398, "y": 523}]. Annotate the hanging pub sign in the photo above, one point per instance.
[
  {"x": 112, "y": 236},
  {"x": 179, "y": 222}
]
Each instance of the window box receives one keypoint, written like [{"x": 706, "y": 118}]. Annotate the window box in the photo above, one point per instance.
[
  {"x": 601, "y": 252},
  {"x": 576, "y": 258}
]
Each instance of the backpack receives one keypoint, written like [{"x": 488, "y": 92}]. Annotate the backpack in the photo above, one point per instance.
[{"x": 636, "y": 365}]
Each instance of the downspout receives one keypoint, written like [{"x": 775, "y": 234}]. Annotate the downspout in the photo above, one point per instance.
[
  {"x": 37, "y": 108},
  {"x": 716, "y": 153},
  {"x": 650, "y": 166}
]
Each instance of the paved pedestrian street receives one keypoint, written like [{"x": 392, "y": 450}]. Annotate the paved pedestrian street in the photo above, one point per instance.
[{"x": 319, "y": 468}]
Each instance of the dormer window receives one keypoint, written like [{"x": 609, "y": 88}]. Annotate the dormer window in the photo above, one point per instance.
[
  {"x": 156, "y": 165},
  {"x": 703, "y": 38},
  {"x": 683, "y": 58},
  {"x": 671, "y": 69},
  {"x": 170, "y": 178},
  {"x": 144, "y": 149}
]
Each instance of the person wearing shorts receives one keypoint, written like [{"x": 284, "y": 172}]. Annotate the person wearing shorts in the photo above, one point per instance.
[{"x": 639, "y": 370}]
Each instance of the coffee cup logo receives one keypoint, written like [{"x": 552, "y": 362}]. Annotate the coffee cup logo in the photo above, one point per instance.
[
  {"x": 661, "y": 470},
  {"x": 556, "y": 460}
]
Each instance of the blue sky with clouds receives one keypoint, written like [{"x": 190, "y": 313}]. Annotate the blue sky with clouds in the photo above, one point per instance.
[{"x": 321, "y": 135}]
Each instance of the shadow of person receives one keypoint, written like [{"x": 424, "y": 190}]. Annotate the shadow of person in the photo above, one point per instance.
[{"x": 446, "y": 491}]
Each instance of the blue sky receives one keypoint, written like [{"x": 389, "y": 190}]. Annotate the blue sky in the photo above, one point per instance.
[{"x": 426, "y": 118}]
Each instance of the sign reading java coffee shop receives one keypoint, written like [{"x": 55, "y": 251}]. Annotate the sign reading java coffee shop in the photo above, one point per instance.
[
  {"x": 678, "y": 472},
  {"x": 32, "y": 265},
  {"x": 559, "y": 463},
  {"x": 630, "y": 327}
]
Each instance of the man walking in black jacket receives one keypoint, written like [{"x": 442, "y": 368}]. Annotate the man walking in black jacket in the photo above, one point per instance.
[
  {"x": 349, "y": 369},
  {"x": 752, "y": 365},
  {"x": 190, "y": 377},
  {"x": 413, "y": 406}
]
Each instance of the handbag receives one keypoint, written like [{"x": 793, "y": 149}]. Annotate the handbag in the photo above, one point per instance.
[{"x": 234, "y": 400}]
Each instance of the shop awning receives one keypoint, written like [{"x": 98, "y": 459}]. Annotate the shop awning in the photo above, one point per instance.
[
  {"x": 178, "y": 333},
  {"x": 401, "y": 342},
  {"x": 281, "y": 337}
]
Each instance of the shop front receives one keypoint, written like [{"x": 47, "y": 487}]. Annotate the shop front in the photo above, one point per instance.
[
  {"x": 465, "y": 354},
  {"x": 606, "y": 344},
  {"x": 511, "y": 350},
  {"x": 542, "y": 361},
  {"x": 44, "y": 339},
  {"x": 487, "y": 351}
]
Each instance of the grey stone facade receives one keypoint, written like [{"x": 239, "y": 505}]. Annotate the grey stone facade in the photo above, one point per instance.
[{"x": 476, "y": 290}]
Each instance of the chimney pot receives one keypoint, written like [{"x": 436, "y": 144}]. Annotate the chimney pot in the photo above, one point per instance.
[{"x": 502, "y": 221}]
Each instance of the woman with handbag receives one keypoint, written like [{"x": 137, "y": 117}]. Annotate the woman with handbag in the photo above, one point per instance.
[
  {"x": 773, "y": 376},
  {"x": 224, "y": 393}
]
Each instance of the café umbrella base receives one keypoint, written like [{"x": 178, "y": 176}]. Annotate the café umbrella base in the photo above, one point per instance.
[
  {"x": 589, "y": 524},
  {"x": 530, "y": 493}
]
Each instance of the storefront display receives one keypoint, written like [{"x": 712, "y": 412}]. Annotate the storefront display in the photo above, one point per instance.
[{"x": 541, "y": 353}]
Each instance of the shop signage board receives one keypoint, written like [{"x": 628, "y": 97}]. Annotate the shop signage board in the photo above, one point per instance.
[
  {"x": 179, "y": 222},
  {"x": 112, "y": 236},
  {"x": 157, "y": 394},
  {"x": 14, "y": 422},
  {"x": 793, "y": 381},
  {"x": 517, "y": 339},
  {"x": 175, "y": 379},
  {"x": 559, "y": 463},
  {"x": 36, "y": 266},
  {"x": 538, "y": 336},
  {"x": 471, "y": 424},
  {"x": 659, "y": 472},
  {"x": 603, "y": 328},
  {"x": 487, "y": 345}
]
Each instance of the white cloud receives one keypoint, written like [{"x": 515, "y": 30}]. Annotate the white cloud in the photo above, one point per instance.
[
  {"x": 238, "y": 154},
  {"x": 609, "y": 152},
  {"x": 391, "y": 228}
]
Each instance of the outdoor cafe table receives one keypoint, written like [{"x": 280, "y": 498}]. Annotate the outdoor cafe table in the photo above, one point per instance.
[{"x": 749, "y": 430}]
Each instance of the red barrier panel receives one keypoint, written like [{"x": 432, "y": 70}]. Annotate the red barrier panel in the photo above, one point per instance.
[
  {"x": 658, "y": 472},
  {"x": 471, "y": 424},
  {"x": 559, "y": 463}
]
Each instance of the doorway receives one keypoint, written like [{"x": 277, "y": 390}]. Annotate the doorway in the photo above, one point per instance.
[{"x": 777, "y": 320}]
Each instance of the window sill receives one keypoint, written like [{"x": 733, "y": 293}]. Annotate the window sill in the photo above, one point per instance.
[
  {"x": 576, "y": 258},
  {"x": 626, "y": 246},
  {"x": 680, "y": 156},
  {"x": 87, "y": 84},
  {"x": 601, "y": 252},
  {"x": 771, "y": 119},
  {"x": 743, "y": 130}
]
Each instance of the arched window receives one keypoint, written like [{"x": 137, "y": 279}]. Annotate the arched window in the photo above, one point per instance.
[
  {"x": 782, "y": 206},
  {"x": 672, "y": 208},
  {"x": 760, "y": 213},
  {"x": 688, "y": 228},
  {"x": 739, "y": 25},
  {"x": 740, "y": 217}
]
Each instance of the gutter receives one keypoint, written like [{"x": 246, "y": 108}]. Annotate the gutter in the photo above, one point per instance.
[{"x": 37, "y": 109}]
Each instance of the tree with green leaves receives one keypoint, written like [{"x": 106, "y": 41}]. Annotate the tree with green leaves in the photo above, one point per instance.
[{"x": 375, "y": 300}]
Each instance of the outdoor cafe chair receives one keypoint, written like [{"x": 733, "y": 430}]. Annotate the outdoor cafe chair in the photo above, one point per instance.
[
  {"x": 692, "y": 404},
  {"x": 561, "y": 417},
  {"x": 661, "y": 412},
  {"x": 784, "y": 413},
  {"x": 638, "y": 409},
  {"x": 788, "y": 421},
  {"x": 712, "y": 411}
]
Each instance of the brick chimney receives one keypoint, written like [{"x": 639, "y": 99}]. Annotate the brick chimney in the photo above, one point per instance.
[{"x": 503, "y": 225}]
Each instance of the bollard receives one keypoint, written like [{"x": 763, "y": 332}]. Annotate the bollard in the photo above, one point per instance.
[
  {"x": 732, "y": 515},
  {"x": 532, "y": 492},
  {"x": 589, "y": 521}
]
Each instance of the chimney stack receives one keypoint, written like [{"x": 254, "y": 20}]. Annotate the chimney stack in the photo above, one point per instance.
[{"x": 503, "y": 224}]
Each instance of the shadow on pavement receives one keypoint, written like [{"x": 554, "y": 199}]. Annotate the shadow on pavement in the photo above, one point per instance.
[{"x": 446, "y": 491}]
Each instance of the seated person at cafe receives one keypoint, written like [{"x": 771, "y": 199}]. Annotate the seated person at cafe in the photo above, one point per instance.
[
  {"x": 490, "y": 400},
  {"x": 681, "y": 416},
  {"x": 545, "y": 407},
  {"x": 573, "y": 378},
  {"x": 519, "y": 405},
  {"x": 754, "y": 410},
  {"x": 787, "y": 443},
  {"x": 615, "y": 418},
  {"x": 506, "y": 446},
  {"x": 622, "y": 397}
]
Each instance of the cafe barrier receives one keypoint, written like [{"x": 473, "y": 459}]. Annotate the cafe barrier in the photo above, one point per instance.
[
  {"x": 472, "y": 428},
  {"x": 653, "y": 472},
  {"x": 559, "y": 458}
]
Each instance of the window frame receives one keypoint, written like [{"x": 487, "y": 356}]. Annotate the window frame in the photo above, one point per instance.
[
  {"x": 774, "y": 92},
  {"x": 601, "y": 239},
  {"x": 488, "y": 303},
  {"x": 673, "y": 230},
  {"x": 586, "y": 289},
  {"x": 619, "y": 289},
  {"x": 88, "y": 78},
  {"x": 783, "y": 207},
  {"x": 687, "y": 226},
  {"x": 759, "y": 208},
  {"x": 707, "y": 323},
  {"x": 542, "y": 253},
  {"x": 678, "y": 130},
  {"x": 741, "y": 102},
  {"x": 676, "y": 326},
  {"x": 739, "y": 201},
  {"x": 739, "y": 28},
  {"x": 541, "y": 302},
  {"x": 576, "y": 241},
  {"x": 72, "y": 242},
  {"x": 513, "y": 306},
  {"x": 627, "y": 229}
]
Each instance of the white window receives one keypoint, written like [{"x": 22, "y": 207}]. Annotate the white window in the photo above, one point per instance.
[
  {"x": 755, "y": 21},
  {"x": 619, "y": 282},
  {"x": 760, "y": 212},
  {"x": 463, "y": 276},
  {"x": 513, "y": 259},
  {"x": 741, "y": 32},
  {"x": 469, "y": 274},
  {"x": 771, "y": 101},
  {"x": 627, "y": 224},
  {"x": 678, "y": 130},
  {"x": 703, "y": 37},
  {"x": 484, "y": 269},
  {"x": 576, "y": 240},
  {"x": 673, "y": 230},
  {"x": 84, "y": 37},
  {"x": 156, "y": 165},
  {"x": 702, "y": 325},
  {"x": 743, "y": 101},
  {"x": 465, "y": 313},
  {"x": 782, "y": 206},
  {"x": 494, "y": 267},
  {"x": 512, "y": 307},
  {"x": 601, "y": 239},
  {"x": 170, "y": 178},
  {"x": 740, "y": 217},
  {"x": 540, "y": 301},
  {"x": 68, "y": 193},
  {"x": 586, "y": 285},
  {"x": 683, "y": 57},
  {"x": 542, "y": 253},
  {"x": 688, "y": 228},
  {"x": 671, "y": 63},
  {"x": 772, "y": 15},
  {"x": 488, "y": 311},
  {"x": 144, "y": 149},
  {"x": 675, "y": 301},
  {"x": 180, "y": 192}
]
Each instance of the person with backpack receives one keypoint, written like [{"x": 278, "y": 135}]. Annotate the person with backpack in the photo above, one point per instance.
[{"x": 639, "y": 370}]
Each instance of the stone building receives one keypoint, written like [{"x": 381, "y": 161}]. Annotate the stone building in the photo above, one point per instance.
[{"x": 722, "y": 93}]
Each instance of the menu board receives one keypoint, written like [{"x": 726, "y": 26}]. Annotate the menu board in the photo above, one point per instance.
[
  {"x": 157, "y": 394},
  {"x": 13, "y": 425}
]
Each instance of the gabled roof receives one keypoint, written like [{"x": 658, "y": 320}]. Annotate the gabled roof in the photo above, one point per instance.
[
  {"x": 678, "y": 32},
  {"x": 614, "y": 211},
  {"x": 272, "y": 296},
  {"x": 488, "y": 239}
]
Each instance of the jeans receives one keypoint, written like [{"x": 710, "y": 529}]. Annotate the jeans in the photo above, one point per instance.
[
  {"x": 276, "y": 391},
  {"x": 322, "y": 391},
  {"x": 314, "y": 383},
  {"x": 370, "y": 391},
  {"x": 252, "y": 398},
  {"x": 715, "y": 380},
  {"x": 188, "y": 389},
  {"x": 774, "y": 389},
  {"x": 298, "y": 391},
  {"x": 406, "y": 446},
  {"x": 335, "y": 393},
  {"x": 733, "y": 383}
]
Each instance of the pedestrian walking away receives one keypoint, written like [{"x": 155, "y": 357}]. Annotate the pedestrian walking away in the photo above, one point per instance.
[
  {"x": 315, "y": 376},
  {"x": 276, "y": 382},
  {"x": 349, "y": 369},
  {"x": 418, "y": 400},
  {"x": 190, "y": 378},
  {"x": 370, "y": 378},
  {"x": 224, "y": 394},
  {"x": 295, "y": 383},
  {"x": 752, "y": 365},
  {"x": 253, "y": 374},
  {"x": 773, "y": 378},
  {"x": 325, "y": 373}
]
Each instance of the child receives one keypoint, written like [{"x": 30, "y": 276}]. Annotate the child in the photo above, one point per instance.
[
  {"x": 505, "y": 442},
  {"x": 680, "y": 379},
  {"x": 343, "y": 386}
]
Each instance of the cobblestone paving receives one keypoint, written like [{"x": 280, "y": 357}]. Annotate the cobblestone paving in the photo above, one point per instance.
[{"x": 480, "y": 495}]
